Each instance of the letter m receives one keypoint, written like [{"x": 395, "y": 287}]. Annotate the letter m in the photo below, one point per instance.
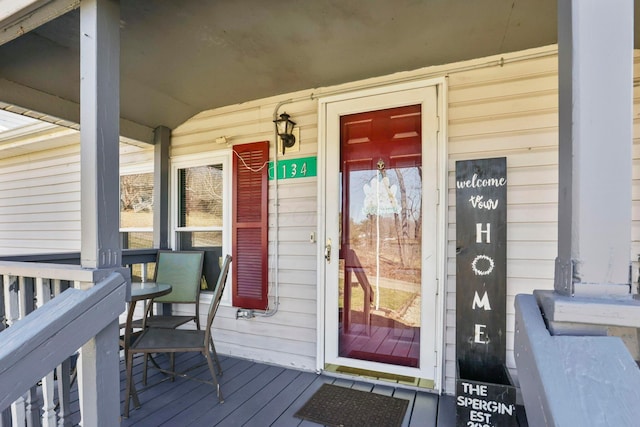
[{"x": 481, "y": 303}]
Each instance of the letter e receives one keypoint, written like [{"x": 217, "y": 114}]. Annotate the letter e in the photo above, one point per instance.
[{"x": 479, "y": 334}]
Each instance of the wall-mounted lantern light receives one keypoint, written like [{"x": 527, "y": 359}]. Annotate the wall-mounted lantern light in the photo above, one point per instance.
[{"x": 284, "y": 128}]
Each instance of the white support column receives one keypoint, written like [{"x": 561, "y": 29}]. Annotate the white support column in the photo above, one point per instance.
[
  {"x": 594, "y": 222},
  {"x": 98, "y": 375}
]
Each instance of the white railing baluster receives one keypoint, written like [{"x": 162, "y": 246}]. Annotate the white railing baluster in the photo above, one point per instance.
[
  {"x": 12, "y": 313},
  {"x": 63, "y": 372},
  {"x": 27, "y": 305},
  {"x": 143, "y": 272},
  {"x": 56, "y": 286},
  {"x": 64, "y": 393},
  {"x": 32, "y": 407},
  {"x": 11, "y": 307},
  {"x": 22, "y": 300},
  {"x": 43, "y": 295}
]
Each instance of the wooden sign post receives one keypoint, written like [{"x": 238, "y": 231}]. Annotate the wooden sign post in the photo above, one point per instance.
[{"x": 485, "y": 396}]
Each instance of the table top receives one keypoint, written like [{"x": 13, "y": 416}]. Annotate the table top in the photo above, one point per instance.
[{"x": 148, "y": 290}]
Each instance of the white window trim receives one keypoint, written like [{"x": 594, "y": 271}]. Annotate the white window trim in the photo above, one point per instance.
[{"x": 196, "y": 160}]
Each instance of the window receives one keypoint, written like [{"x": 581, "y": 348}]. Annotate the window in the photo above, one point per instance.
[
  {"x": 136, "y": 210},
  {"x": 136, "y": 215},
  {"x": 201, "y": 215},
  {"x": 250, "y": 215}
]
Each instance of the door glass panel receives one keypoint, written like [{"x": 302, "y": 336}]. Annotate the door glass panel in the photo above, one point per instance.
[{"x": 380, "y": 254}]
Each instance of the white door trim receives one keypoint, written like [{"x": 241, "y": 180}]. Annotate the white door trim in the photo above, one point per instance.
[{"x": 369, "y": 100}]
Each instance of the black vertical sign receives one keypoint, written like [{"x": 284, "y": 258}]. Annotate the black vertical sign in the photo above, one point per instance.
[{"x": 481, "y": 271}]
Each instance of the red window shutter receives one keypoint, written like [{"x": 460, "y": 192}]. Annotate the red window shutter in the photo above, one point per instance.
[{"x": 250, "y": 216}]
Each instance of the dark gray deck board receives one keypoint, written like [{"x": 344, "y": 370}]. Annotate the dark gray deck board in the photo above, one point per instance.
[
  {"x": 261, "y": 398},
  {"x": 165, "y": 400},
  {"x": 155, "y": 395},
  {"x": 214, "y": 415},
  {"x": 282, "y": 401},
  {"x": 447, "y": 411},
  {"x": 425, "y": 409},
  {"x": 409, "y": 395},
  {"x": 256, "y": 395},
  {"x": 232, "y": 384},
  {"x": 361, "y": 386}
]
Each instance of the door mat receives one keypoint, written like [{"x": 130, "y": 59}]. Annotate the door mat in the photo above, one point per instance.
[{"x": 338, "y": 406}]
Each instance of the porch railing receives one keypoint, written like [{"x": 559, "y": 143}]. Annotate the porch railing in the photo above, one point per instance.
[
  {"x": 48, "y": 310},
  {"x": 573, "y": 380}
]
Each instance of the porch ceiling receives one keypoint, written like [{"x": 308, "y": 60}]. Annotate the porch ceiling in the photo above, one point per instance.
[{"x": 179, "y": 58}]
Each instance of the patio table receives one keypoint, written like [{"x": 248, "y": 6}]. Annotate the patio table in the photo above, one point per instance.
[{"x": 140, "y": 291}]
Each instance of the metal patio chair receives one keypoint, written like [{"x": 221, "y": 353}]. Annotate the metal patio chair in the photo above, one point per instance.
[
  {"x": 161, "y": 340},
  {"x": 183, "y": 271}
]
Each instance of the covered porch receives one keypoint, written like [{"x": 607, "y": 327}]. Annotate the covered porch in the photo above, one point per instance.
[{"x": 129, "y": 69}]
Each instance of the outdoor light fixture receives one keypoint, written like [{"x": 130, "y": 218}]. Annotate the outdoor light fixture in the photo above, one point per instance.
[{"x": 284, "y": 128}]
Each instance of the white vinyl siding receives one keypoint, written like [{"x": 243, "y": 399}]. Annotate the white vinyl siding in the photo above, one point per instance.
[
  {"x": 40, "y": 201},
  {"x": 289, "y": 337},
  {"x": 40, "y": 189},
  {"x": 508, "y": 111}
]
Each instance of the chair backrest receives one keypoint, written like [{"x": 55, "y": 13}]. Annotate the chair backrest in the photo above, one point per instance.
[
  {"x": 183, "y": 271},
  {"x": 217, "y": 294}
]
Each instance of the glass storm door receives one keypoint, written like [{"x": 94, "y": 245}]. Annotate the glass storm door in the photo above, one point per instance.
[
  {"x": 381, "y": 232},
  {"x": 380, "y": 251}
]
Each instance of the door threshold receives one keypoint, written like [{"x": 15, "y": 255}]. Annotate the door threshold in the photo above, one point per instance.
[{"x": 385, "y": 377}]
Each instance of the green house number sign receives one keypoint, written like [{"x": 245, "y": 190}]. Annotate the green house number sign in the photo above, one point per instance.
[{"x": 295, "y": 168}]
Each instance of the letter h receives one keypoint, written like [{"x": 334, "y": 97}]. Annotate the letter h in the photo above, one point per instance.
[{"x": 480, "y": 232}]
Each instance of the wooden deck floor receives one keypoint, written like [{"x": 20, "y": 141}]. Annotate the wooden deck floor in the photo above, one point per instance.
[{"x": 257, "y": 394}]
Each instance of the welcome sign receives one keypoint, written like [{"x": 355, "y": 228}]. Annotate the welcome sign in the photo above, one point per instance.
[{"x": 485, "y": 396}]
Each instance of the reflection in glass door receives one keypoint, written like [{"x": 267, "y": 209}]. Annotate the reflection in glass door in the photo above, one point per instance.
[{"x": 379, "y": 309}]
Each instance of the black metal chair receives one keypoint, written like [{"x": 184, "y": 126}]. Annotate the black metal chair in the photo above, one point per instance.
[{"x": 161, "y": 340}]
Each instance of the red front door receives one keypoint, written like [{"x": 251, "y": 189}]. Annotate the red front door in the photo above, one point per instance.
[{"x": 380, "y": 248}]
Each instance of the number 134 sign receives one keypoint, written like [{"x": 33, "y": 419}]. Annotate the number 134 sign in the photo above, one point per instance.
[{"x": 294, "y": 168}]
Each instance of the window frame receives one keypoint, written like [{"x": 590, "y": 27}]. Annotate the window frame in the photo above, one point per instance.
[{"x": 198, "y": 160}]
